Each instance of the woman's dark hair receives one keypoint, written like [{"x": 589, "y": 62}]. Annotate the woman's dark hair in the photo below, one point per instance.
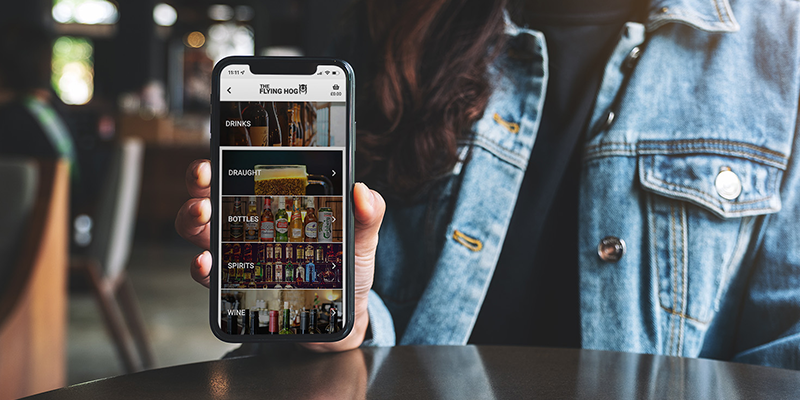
[{"x": 428, "y": 87}]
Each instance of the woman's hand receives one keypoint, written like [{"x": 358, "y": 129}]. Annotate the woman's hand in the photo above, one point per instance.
[{"x": 192, "y": 223}]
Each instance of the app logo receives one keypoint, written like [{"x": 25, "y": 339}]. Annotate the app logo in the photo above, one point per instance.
[{"x": 264, "y": 88}]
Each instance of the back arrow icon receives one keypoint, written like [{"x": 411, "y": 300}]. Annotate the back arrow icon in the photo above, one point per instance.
[{"x": 229, "y": 90}]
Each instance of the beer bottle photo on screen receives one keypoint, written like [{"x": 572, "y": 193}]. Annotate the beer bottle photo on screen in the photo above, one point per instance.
[
  {"x": 281, "y": 223},
  {"x": 236, "y": 220},
  {"x": 292, "y": 126},
  {"x": 275, "y": 133},
  {"x": 297, "y": 126},
  {"x": 267, "y": 233},
  {"x": 296, "y": 225},
  {"x": 252, "y": 222},
  {"x": 280, "y": 110},
  {"x": 310, "y": 223},
  {"x": 256, "y": 116}
]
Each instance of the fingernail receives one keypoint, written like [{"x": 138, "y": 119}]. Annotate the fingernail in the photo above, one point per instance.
[
  {"x": 202, "y": 169},
  {"x": 205, "y": 207},
  {"x": 371, "y": 198},
  {"x": 201, "y": 258}
]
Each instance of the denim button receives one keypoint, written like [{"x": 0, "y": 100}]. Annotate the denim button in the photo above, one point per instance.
[
  {"x": 728, "y": 184},
  {"x": 633, "y": 56},
  {"x": 610, "y": 117},
  {"x": 611, "y": 249}
]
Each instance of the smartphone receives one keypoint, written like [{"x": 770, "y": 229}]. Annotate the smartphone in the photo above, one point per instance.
[{"x": 282, "y": 149}]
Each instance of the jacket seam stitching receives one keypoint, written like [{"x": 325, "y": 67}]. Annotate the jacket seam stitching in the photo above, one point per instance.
[
  {"x": 674, "y": 274},
  {"x": 654, "y": 248},
  {"x": 719, "y": 14},
  {"x": 499, "y": 151},
  {"x": 731, "y": 143},
  {"x": 728, "y": 152},
  {"x": 631, "y": 152},
  {"x": 647, "y": 146},
  {"x": 685, "y": 278},
  {"x": 689, "y": 317},
  {"x": 671, "y": 143},
  {"x": 670, "y": 310}
]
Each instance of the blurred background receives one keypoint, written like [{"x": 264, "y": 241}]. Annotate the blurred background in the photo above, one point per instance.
[{"x": 125, "y": 101}]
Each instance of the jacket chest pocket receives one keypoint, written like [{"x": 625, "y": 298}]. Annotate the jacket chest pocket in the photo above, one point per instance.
[{"x": 701, "y": 210}]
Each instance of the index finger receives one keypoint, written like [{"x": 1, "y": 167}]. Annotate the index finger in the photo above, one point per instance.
[{"x": 198, "y": 178}]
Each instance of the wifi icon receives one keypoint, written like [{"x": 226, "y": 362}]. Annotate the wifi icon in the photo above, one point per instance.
[{"x": 327, "y": 72}]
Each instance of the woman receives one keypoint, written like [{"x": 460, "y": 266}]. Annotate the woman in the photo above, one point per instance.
[{"x": 617, "y": 177}]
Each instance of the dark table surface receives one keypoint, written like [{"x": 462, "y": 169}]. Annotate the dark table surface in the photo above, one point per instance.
[{"x": 457, "y": 372}]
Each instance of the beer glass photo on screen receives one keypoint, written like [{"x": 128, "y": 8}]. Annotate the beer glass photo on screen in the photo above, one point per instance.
[
  {"x": 282, "y": 178},
  {"x": 286, "y": 179},
  {"x": 281, "y": 171}
]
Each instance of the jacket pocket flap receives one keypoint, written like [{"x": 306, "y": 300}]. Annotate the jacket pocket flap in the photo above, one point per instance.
[{"x": 727, "y": 186}]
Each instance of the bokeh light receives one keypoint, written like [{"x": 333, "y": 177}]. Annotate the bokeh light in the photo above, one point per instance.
[
  {"x": 73, "y": 70},
  {"x": 88, "y": 12},
  {"x": 195, "y": 40},
  {"x": 164, "y": 14},
  {"x": 220, "y": 12},
  {"x": 228, "y": 39}
]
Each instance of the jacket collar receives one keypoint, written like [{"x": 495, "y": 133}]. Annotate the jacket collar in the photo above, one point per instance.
[{"x": 706, "y": 15}]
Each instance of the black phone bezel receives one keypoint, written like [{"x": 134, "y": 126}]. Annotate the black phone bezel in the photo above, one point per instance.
[{"x": 283, "y": 66}]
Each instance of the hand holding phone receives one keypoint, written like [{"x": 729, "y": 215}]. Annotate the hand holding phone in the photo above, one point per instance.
[{"x": 281, "y": 232}]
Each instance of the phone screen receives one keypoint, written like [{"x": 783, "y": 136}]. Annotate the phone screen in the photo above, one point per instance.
[{"x": 282, "y": 203}]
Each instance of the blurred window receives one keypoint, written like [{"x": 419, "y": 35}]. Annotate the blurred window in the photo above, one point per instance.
[
  {"x": 73, "y": 69},
  {"x": 89, "y": 12},
  {"x": 227, "y": 39}
]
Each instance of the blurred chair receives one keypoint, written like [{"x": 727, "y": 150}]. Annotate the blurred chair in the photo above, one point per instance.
[
  {"x": 107, "y": 256},
  {"x": 34, "y": 199}
]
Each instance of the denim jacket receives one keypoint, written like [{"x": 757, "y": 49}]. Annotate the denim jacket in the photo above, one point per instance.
[{"x": 690, "y": 160}]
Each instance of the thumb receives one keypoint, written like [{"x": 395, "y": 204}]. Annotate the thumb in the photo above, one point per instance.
[{"x": 369, "y": 209}]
